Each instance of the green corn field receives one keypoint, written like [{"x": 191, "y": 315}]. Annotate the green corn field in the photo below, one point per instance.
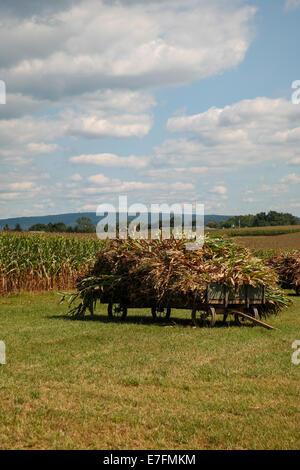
[{"x": 43, "y": 262}]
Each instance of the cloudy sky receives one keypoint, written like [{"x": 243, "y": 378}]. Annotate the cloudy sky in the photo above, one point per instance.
[{"x": 164, "y": 101}]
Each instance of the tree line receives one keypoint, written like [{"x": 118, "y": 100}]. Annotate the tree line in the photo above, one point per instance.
[
  {"x": 262, "y": 219},
  {"x": 83, "y": 225}
]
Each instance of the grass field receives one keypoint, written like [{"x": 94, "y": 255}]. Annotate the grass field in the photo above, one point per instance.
[
  {"x": 271, "y": 230},
  {"x": 271, "y": 239},
  {"x": 83, "y": 384},
  {"x": 285, "y": 242}
]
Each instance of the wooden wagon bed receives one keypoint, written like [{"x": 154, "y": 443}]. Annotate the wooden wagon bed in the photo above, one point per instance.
[{"x": 219, "y": 299}]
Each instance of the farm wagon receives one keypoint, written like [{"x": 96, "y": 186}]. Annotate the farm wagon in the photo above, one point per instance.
[{"x": 243, "y": 303}]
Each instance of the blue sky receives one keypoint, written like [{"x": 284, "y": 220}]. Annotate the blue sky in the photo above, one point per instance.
[{"x": 166, "y": 102}]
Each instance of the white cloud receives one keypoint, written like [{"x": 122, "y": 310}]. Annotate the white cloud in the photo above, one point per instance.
[
  {"x": 218, "y": 192},
  {"x": 292, "y": 4},
  {"x": 292, "y": 178},
  {"x": 246, "y": 132},
  {"x": 219, "y": 189},
  {"x": 110, "y": 101},
  {"x": 110, "y": 160},
  {"x": 249, "y": 200},
  {"x": 96, "y": 45},
  {"x": 93, "y": 126},
  {"x": 24, "y": 185},
  {"x": 39, "y": 148},
  {"x": 76, "y": 177},
  {"x": 90, "y": 64},
  {"x": 117, "y": 186},
  {"x": 10, "y": 196},
  {"x": 109, "y": 113},
  {"x": 89, "y": 68},
  {"x": 190, "y": 173},
  {"x": 102, "y": 179},
  {"x": 20, "y": 105},
  {"x": 266, "y": 192},
  {"x": 26, "y": 137},
  {"x": 275, "y": 189},
  {"x": 20, "y": 191},
  {"x": 34, "y": 7}
]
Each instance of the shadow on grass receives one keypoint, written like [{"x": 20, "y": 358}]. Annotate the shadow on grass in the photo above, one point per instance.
[{"x": 140, "y": 320}]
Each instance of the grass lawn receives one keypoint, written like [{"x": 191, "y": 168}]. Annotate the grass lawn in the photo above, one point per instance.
[{"x": 139, "y": 385}]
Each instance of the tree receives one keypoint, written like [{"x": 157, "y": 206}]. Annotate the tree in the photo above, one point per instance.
[
  {"x": 212, "y": 225},
  {"x": 6, "y": 228},
  {"x": 38, "y": 228},
  {"x": 261, "y": 220},
  {"x": 84, "y": 225},
  {"x": 17, "y": 228},
  {"x": 58, "y": 227}
]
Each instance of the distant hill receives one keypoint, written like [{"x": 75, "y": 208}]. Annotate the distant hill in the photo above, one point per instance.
[{"x": 70, "y": 219}]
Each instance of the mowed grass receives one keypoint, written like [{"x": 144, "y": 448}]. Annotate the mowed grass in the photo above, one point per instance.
[{"x": 84, "y": 384}]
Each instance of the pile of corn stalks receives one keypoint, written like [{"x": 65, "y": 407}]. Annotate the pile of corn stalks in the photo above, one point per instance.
[
  {"x": 287, "y": 266},
  {"x": 158, "y": 272}
]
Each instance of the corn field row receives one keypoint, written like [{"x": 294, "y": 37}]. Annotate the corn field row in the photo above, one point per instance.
[{"x": 43, "y": 262}]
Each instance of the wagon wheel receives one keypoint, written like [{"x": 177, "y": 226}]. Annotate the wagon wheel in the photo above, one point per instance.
[
  {"x": 207, "y": 318},
  {"x": 225, "y": 318},
  {"x": 153, "y": 311},
  {"x": 117, "y": 311},
  {"x": 242, "y": 321},
  {"x": 239, "y": 321},
  {"x": 163, "y": 312}
]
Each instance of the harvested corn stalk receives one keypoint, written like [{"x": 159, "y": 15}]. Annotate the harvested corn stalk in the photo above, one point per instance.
[
  {"x": 161, "y": 272},
  {"x": 287, "y": 266}
]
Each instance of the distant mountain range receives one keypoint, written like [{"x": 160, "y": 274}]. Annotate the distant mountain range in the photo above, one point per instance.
[{"x": 70, "y": 219}]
